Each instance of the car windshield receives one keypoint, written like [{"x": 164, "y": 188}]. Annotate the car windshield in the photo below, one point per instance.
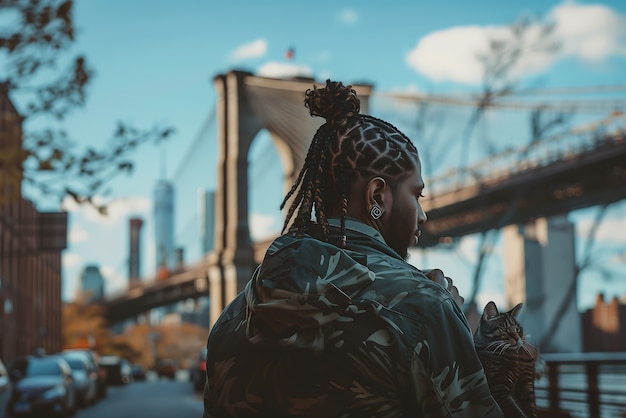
[
  {"x": 75, "y": 364},
  {"x": 109, "y": 360},
  {"x": 43, "y": 368}
]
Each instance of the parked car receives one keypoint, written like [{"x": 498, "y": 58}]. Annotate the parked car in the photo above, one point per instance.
[
  {"x": 94, "y": 359},
  {"x": 118, "y": 370},
  {"x": 197, "y": 371},
  {"x": 6, "y": 389},
  {"x": 85, "y": 379},
  {"x": 167, "y": 368},
  {"x": 43, "y": 386},
  {"x": 138, "y": 372}
]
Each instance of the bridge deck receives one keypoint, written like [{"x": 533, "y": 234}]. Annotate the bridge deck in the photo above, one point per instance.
[{"x": 587, "y": 177}]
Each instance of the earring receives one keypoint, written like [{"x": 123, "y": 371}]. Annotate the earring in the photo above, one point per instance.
[{"x": 376, "y": 212}]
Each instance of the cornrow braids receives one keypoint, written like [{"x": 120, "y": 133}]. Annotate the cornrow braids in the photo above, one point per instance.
[
  {"x": 320, "y": 210},
  {"x": 347, "y": 147},
  {"x": 392, "y": 127}
]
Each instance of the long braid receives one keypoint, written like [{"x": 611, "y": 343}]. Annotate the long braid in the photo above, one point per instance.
[
  {"x": 308, "y": 188},
  {"x": 304, "y": 214},
  {"x": 302, "y": 171},
  {"x": 346, "y": 144},
  {"x": 320, "y": 210},
  {"x": 344, "y": 209},
  {"x": 293, "y": 207},
  {"x": 305, "y": 169}
]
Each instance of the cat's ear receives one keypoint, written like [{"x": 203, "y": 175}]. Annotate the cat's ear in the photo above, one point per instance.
[
  {"x": 490, "y": 311},
  {"x": 515, "y": 311}
]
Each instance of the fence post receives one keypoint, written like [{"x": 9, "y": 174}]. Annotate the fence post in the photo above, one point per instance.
[
  {"x": 553, "y": 388},
  {"x": 593, "y": 397}
]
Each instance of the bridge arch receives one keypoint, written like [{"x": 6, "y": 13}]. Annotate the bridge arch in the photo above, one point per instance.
[{"x": 245, "y": 105}]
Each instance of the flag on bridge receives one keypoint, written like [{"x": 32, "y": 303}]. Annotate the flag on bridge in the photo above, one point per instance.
[{"x": 290, "y": 53}]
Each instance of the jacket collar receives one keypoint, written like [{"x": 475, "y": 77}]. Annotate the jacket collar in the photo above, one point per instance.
[{"x": 358, "y": 226}]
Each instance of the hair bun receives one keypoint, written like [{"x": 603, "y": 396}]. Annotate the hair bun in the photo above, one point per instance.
[{"x": 336, "y": 103}]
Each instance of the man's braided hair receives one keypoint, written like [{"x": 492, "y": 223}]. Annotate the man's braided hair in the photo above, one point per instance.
[{"x": 348, "y": 147}]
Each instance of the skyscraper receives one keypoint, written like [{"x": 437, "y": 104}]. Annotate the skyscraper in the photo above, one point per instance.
[
  {"x": 134, "y": 258},
  {"x": 164, "y": 225},
  {"x": 206, "y": 199},
  {"x": 91, "y": 284}
]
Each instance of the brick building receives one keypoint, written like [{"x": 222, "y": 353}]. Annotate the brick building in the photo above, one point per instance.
[
  {"x": 604, "y": 325},
  {"x": 31, "y": 243}
]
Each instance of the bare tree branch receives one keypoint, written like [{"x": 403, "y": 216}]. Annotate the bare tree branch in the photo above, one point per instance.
[
  {"x": 50, "y": 85},
  {"x": 499, "y": 81}
]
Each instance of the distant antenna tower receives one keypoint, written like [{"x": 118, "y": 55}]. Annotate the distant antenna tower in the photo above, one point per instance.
[
  {"x": 134, "y": 263},
  {"x": 163, "y": 161}
]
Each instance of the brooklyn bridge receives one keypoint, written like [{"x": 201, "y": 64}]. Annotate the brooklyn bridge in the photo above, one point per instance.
[{"x": 581, "y": 168}]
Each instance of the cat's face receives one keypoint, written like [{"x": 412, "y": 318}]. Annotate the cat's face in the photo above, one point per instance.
[{"x": 500, "y": 331}]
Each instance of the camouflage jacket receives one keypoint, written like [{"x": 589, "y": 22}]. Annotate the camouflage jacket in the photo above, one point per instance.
[{"x": 321, "y": 331}]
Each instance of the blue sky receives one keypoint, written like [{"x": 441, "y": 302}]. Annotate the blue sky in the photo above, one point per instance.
[{"x": 155, "y": 62}]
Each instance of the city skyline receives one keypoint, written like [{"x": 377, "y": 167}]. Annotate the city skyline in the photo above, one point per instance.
[{"x": 405, "y": 59}]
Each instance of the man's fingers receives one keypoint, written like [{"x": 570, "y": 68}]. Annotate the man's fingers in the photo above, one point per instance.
[
  {"x": 436, "y": 275},
  {"x": 455, "y": 292}
]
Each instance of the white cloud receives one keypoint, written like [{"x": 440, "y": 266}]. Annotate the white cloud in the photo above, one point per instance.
[
  {"x": 69, "y": 205},
  {"x": 77, "y": 234},
  {"x": 254, "y": 49},
  {"x": 69, "y": 260},
  {"x": 348, "y": 16},
  {"x": 284, "y": 70},
  {"x": 150, "y": 262},
  {"x": 115, "y": 282},
  {"x": 116, "y": 210},
  {"x": 454, "y": 54},
  {"x": 263, "y": 226},
  {"x": 587, "y": 32},
  {"x": 451, "y": 54},
  {"x": 610, "y": 229},
  {"x": 591, "y": 32}
]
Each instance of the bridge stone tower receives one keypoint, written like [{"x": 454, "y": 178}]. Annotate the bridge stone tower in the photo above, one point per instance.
[
  {"x": 247, "y": 104},
  {"x": 540, "y": 271}
]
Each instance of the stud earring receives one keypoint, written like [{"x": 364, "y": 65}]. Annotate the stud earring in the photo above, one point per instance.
[{"x": 376, "y": 212}]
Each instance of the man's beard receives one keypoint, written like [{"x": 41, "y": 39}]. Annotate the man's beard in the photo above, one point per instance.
[{"x": 402, "y": 252}]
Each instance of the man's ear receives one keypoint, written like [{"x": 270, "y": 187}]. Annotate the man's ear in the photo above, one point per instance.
[{"x": 376, "y": 193}]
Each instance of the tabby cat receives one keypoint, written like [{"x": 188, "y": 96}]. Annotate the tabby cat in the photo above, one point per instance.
[{"x": 508, "y": 359}]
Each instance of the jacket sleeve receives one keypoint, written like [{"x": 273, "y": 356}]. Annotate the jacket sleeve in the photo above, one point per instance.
[{"x": 448, "y": 378}]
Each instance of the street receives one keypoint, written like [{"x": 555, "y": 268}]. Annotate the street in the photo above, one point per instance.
[{"x": 150, "y": 398}]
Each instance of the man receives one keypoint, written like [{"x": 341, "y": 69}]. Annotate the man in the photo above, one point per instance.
[{"x": 335, "y": 322}]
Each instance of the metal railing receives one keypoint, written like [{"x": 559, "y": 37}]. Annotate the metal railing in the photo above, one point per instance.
[
  {"x": 583, "y": 385},
  {"x": 568, "y": 145}
]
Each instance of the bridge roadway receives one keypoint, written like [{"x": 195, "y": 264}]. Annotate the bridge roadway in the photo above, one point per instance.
[
  {"x": 558, "y": 183},
  {"x": 589, "y": 175}
]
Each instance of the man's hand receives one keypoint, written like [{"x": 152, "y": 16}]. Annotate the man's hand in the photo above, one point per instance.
[{"x": 436, "y": 275}]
